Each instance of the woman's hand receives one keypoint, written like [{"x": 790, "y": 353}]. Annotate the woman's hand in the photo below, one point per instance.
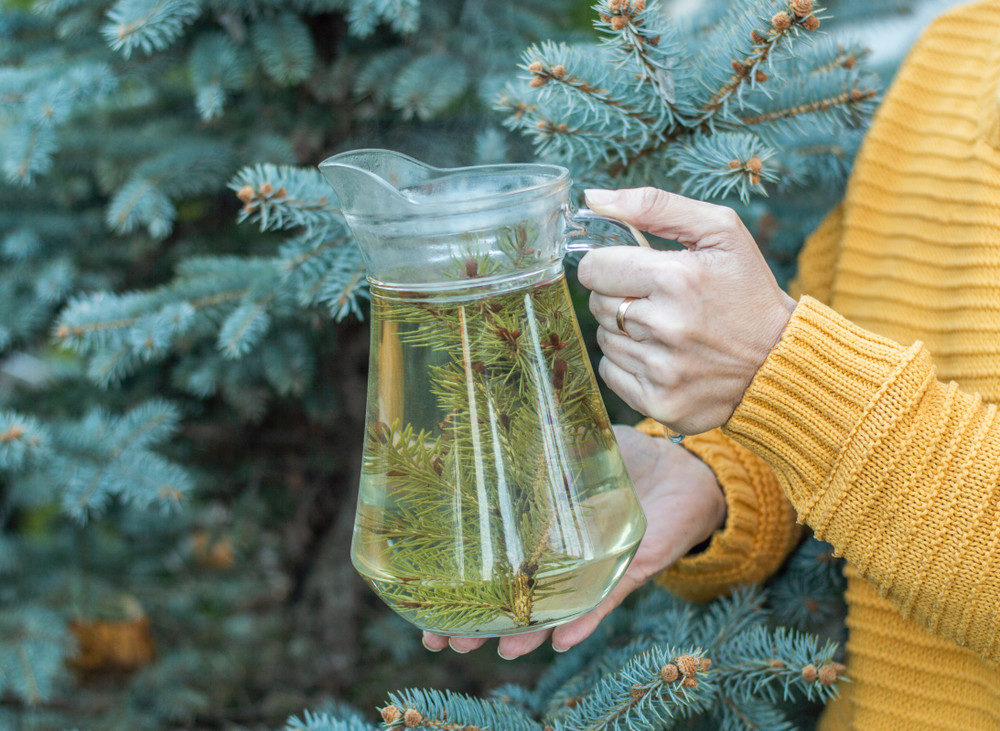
[
  {"x": 683, "y": 504},
  {"x": 704, "y": 320}
]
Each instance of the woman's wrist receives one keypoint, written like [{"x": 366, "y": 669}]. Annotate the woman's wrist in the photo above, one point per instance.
[{"x": 698, "y": 472}]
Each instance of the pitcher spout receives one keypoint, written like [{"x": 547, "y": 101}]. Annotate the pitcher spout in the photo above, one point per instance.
[{"x": 369, "y": 182}]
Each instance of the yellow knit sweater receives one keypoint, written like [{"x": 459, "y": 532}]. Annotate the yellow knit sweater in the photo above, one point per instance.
[{"x": 873, "y": 420}]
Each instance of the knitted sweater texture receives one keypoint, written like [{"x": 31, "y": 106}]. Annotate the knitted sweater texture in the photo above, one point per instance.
[{"x": 873, "y": 421}]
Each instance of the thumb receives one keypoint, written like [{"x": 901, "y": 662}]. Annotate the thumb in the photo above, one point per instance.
[
  {"x": 696, "y": 224},
  {"x": 576, "y": 631}
]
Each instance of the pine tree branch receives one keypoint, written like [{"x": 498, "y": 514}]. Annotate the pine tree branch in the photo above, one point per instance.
[
  {"x": 543, "y": 73},
  {"x": 65, "y": 331},
  {"x": 748, "y": 70},
  {"x": 854, "y": 96}
]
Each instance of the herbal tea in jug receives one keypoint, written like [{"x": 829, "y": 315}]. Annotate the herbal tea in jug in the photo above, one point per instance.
[{"x": 493, "y": 497}]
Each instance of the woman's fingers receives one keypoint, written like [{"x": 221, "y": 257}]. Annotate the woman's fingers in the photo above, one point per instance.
[
  {"x": 623, "y": 351},
  {"x": 433, "y": 642},
  {"x": 466, "y": 644},
  {"x": 622, "y": 271},
  {"x": 511, "y": 647},
  {"x": 636, "y": 317},
  {"x": 695, "y": 224},
  {"x": 623, "y": 383}
]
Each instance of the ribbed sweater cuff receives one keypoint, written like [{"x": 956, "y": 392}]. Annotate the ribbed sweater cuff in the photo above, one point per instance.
[
  {"x": 812, "y": 394},
  {"x": 758, "y": 531}
]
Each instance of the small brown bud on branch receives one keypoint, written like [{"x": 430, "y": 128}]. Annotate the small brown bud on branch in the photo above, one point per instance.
[
  {"x": 412, "y": 718},
  {"x": 809, "y": 673},
  {"x": 781, "y": 21},
  {"x": 811, "y": 23},
  {"x": 14, "y": 432},
  {"x": 828, "y": 674},
  {"x": 245, "y": 194},
  {"x": 802, "y": 8},
  {"x": 391, "y": 714},
  {"x": 687, "y": 664}
]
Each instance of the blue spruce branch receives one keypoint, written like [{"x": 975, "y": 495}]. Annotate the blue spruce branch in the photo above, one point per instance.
[{"x": 148, "y": 25}]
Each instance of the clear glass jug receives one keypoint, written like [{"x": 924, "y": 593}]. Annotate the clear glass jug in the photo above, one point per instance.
[{"x": 493, "y": 497}]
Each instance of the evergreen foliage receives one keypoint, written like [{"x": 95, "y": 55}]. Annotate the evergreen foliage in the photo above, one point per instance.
[
  {"x": 140, "y": 327},
  {"x": 661, "y": 664},
  {"x": 746, "y": 99}
]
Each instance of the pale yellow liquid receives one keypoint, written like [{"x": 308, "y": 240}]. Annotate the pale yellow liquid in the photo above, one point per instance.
[
  {"x": 520, "y": 502},
  {"x": 586, "y": 582}
]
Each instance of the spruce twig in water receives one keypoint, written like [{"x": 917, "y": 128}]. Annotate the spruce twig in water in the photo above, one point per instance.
[{"x": 500, "y": 354}]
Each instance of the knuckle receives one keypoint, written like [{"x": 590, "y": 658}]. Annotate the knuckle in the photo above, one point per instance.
[
  {"x": 664, "y": 275},
  {"x": 666, "y": 375},
  {"x": 690, "y": 279},
  {"x": 652, "y": 201},
  {"x": 723, "y": 218},
  {"x": 674, "y": 332},
  {"x": 729, "y": 219}
]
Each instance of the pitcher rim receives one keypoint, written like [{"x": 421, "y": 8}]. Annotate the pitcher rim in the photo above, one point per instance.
[{"x": 560, "y": 179}]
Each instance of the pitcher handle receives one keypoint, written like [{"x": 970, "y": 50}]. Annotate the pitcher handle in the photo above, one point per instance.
[{"x": 580, "y": 236}]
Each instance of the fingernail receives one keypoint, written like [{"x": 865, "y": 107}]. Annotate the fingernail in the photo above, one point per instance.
[
  {"x": 505, "y": 657},
  {"x": 428, "y": 647},
  {"x": 600, "y": 196},
  {"x": 459, "y": 651},
  {"x": 558, "y": 649}
]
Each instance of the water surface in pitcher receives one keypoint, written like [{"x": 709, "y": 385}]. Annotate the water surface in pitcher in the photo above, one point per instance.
[{"x": 493, "y": 498}]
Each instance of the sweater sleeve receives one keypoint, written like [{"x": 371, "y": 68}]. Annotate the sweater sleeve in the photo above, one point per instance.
[
  {"x": 896, "y": 469},
  {"x": 760, "y": 527},
  {"x": 818, "y": 259}
]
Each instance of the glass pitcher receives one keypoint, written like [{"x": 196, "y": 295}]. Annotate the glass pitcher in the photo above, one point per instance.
[{"x": 493, "y": 499}]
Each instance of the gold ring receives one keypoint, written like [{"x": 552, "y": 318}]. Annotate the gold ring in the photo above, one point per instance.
[{"x": 620, "y": 317}]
